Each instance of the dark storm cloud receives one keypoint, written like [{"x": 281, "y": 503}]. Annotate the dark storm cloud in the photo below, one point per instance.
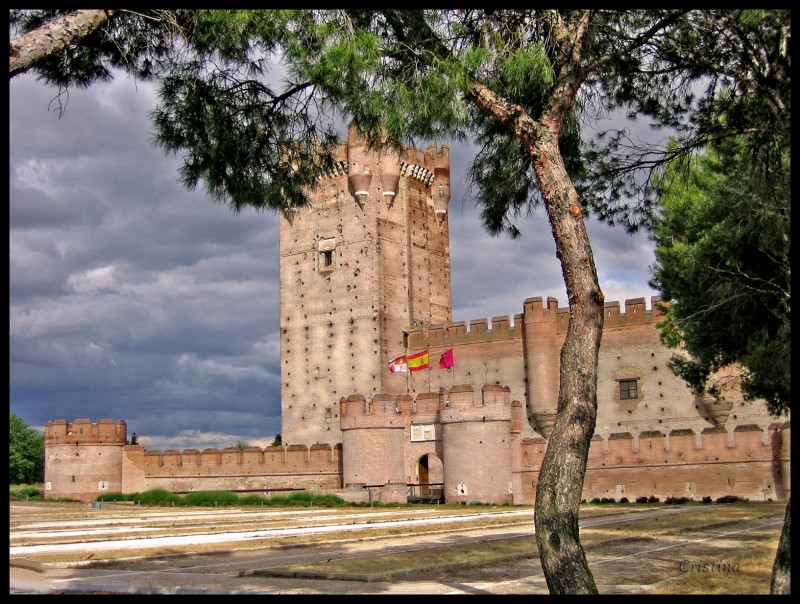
[{"x": 131, "y": 297}]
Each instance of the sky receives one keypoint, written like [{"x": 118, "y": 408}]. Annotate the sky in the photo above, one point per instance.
[{"x": 131, "y": 297}]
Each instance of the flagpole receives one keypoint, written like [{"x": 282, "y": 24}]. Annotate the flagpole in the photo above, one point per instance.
[
  {"x": 409, "y": 381},
  {"x": 429, "y": 375}
]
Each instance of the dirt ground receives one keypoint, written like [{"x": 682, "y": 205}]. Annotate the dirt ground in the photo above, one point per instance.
[{"x": 423, "y": 549}]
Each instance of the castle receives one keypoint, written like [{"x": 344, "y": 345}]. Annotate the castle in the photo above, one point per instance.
[{"x": 365, "y": 279}]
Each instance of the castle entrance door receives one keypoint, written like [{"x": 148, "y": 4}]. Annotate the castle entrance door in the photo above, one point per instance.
[{"x": 431, "y": 476}]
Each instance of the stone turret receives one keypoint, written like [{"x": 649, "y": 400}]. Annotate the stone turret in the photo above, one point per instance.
[
  {"x": 542, "y": 352},
  {"x": 477, "y": 445},
  {"x": 83, "y": 459},
  {"x": 372, "y": 444}
]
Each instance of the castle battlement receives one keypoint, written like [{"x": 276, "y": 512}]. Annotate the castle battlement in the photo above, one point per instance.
[
  {"x": 680, "y": 447},
  {"x": 480, "y": 330},
  {"x": 636, "y": 313},
  {"x": 500, "y": 328},
  {"x": 456, "y": 404},
  {"x": 381, "y": 411},
  {"x": 431, "y": 159},
  {"x": 86, "y": 432},
  {"x": 461, "y": 404},
  {"x": 384, "y": 168},
  {"x": 266, "y": 459}
]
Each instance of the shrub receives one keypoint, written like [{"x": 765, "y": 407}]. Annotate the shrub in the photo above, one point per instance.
[
  {"x": 641, "y": 499},
  {"x": 730, "y": 499},
  {"x": 653, "y": 499},
  {"x": 156, "y": 497},
  {"x": 307, "y": 499},
  {"x": 210, "y": 498},
  {"x": 24, "y": 493},
  {"x": 706, "y": 500},
  {"x": 623, "y": 500},
  {"x": 676, "y": 500}
]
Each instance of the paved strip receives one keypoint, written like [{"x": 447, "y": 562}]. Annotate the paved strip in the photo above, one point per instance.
[{"x": 200, "y": 539}]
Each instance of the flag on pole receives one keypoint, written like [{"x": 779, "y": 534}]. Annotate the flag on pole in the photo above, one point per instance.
[
  {"x": 399, "y": 365},
  {"x": 417, "y": 362},
  {"x": 446, "y": 360}
]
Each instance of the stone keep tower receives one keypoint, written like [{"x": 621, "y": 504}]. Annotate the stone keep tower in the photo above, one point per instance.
[{"x": 368, "y": 260}]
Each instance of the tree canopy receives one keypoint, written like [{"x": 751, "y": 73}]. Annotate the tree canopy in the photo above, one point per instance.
[
  {"x": 25, "y": 452},
  {"x": 722, "y": 259}
]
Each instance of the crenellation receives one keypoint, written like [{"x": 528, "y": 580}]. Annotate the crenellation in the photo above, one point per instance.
[
  {"x": 495, "y": 394},
  {"x": 171, "y": 457},
  {"x": 500, "y": 325},
  {"x": 453, "y": 334},
  {"x": 461, "y": 405},
  {"x": 414, "y": 156},
  {"x": 211, "y": 457},
  {"x": 437, "y": 336},
  {"x": 153, "y": 458},
  {"x": 382, "y": 411},
  {"x": 405, "y": 404},
  {"x": 636, "y": 313},
  {"x": 478, "y": 327},
  {"x": 84, "y": 431},
  {"x": 534, "y": 310},
  {"x": 427, "y": 405}
]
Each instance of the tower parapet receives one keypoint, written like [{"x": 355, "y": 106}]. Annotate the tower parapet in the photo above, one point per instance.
[
  {"x": 636, "y": 313},
  {"x": 381, "y": 411},
  {"x": 456, "y": 333},
  {"x": 430, "y": 168},
  {"x": 460, "y": 405},
  {"x": 84, "y": 431}
]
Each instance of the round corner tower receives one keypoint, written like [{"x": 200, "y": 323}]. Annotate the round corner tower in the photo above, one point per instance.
[
  {"x": 373, "y": 442},
  {"x": 477, "y": 445},
  {"x": 83, "y": 459},
  {"x": 365, "y": 261}
]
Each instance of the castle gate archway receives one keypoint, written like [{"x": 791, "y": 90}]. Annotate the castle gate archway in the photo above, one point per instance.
[{"x": 431, "y": 476}]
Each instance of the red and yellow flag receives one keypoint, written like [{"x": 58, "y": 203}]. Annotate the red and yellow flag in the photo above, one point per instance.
[{"x": 417, "y": 362}]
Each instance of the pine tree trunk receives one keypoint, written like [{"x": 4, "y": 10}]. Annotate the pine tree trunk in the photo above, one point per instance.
[
  {"x": 28, "y": 48},
  {"x": 781, "y": 570},
  {"x": 558, "y": 492}
]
